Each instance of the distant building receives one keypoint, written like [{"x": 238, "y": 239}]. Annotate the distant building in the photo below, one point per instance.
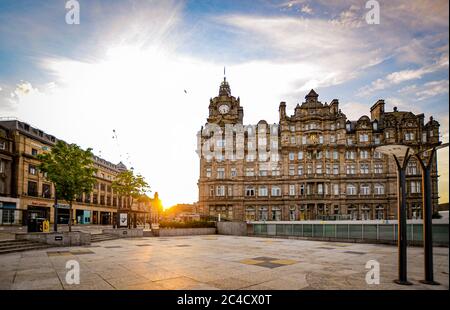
[
  {"x": 183, "y": 212},
  {"x": 325, "y": 166}
]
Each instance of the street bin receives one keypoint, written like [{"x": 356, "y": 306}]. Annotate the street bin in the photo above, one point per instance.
[{"x": 35, "y": 224}]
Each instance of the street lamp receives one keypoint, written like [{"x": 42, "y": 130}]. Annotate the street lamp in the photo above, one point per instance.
[
  {"x": 427, "y": 202},
  {"x": 397, "y": 151}
]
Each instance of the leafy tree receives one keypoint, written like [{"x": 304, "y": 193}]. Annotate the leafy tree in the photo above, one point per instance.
[
  {"x": 71, "y": 170},
  {"x": 131, "y": 186}
]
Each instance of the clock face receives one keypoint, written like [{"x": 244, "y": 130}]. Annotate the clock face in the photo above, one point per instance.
[{"x": 223, "y": 109}]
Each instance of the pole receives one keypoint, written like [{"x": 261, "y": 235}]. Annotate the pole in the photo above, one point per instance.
[
  {"x": 401, "y": 215},
  {"x": 55, "y": 214},
  {"x": 427, "y": 203}
]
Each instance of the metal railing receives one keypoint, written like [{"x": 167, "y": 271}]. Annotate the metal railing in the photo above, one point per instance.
[{"x": 362, "y": 232}]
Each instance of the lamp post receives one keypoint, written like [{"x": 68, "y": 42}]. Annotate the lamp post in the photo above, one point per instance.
[
  {"x": 398, "y": 151},
  {"x": 427, "y": 202}
]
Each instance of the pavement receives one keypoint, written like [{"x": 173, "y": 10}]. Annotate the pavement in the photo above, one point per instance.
[{"x": 217, "y": 262}]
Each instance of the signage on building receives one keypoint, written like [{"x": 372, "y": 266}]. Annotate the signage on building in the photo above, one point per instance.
[
  {"x": 61, "y": 206},
  {"x": 38, "y": 203},
  {"x": 123, "y": 219}
]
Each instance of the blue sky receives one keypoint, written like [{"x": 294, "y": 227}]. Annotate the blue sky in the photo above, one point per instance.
[{"x": 127, "y": 64}]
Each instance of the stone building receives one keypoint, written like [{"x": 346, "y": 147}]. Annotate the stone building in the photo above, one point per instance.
[
  {"x": 25, "y": 191},
  {"x": 326, "y": 166}
]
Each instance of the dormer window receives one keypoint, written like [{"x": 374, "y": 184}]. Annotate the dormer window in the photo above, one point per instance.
[
  {"x": 375, "y": 125},
  {"x": 348, "y": 126}
]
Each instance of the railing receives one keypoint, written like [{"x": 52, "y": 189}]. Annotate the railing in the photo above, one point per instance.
[{"x": 363, "y": 232}]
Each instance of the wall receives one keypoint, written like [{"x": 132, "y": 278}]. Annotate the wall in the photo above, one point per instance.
[
  {"x": 73, "y": 238},
  {"x": 166, "y": 232},
  {"x": 125, "y": 233},
  {"x": 232, "y": 228}
]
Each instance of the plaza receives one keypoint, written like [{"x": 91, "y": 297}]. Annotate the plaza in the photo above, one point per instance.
[{"x": 217, "y": 262}]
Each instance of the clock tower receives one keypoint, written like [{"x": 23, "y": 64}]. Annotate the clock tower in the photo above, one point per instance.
[{"x": 225, "y": 108}]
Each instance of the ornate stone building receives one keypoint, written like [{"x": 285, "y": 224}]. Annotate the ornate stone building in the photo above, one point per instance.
[{"x": 327, "y": 166}]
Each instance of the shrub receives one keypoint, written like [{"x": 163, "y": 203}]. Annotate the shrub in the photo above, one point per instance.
[{"x": 190, "y": 224}]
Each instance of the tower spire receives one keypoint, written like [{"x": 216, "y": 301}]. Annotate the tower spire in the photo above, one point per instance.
[{"x": 224, "y": 74}]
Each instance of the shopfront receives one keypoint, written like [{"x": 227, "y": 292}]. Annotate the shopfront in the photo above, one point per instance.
[
  {"x": 9, "y": 214},
  {"x": 63, "y": 214}
]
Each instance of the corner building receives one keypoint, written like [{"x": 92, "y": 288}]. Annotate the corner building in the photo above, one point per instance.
[{"x": 328, "y": 168}]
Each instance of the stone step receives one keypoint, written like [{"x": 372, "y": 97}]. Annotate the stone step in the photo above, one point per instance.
[
  {"x": 102, "y": 237},
  {"x": 20, "y": 247},
  {"x": 8, "y": 242},
  {"x": 21, "y": 244}
]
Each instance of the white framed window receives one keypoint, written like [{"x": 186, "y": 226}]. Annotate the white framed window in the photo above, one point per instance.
[
  {"x": 332, "y": 139},
  {"x": 378, "y": 168},
  {"x": 2, "y": 166},
  {"x": 351, "y": 189},
  {"x": 377, "y": 155},
  {"x": 220, "y": 190},
  {"x": 415, "y": 187},
  {"x": 336, "y": 189},
  {"x": 292, "y": 128},
  {"x": 364, "y": 168},
  {"x": 291, "y": 170},
  {"x": 365, "y": 189},
  {"x": 379, "y": 189},
  {"x": 335, "y": 169},
  {"x": 309, "y": 169},
  {"x": 2, "y": 145},
  {"x": 276, "y": 191},
  {"x": 319, "y": 169},
  {"x": 300, "y": 170},
  {"x": 320, "y": 189},
  {"x": 377, "y": 140},
  {"x": 304, "y": 141},
  {"x": 349, "y": 141},
  {"x": 208, "y": 172},
  {"x": 292, "y": 139},
  {"x": 292, "y": 190},
  {"x": 411, "y": 169},
  {"x": 250, "y": 157},
  {"x": 335, "y": 155},
  {"x": 263, "y": 171},
  {"x": 409, "y": 136},
  {"x": 387, "y": 135},
  {"x": 300, "y": 155},
  {"x": 263, "y": 191},
  {"x": 321, "y": 139},
  {"x": 328, "y": 169},
  {"x": 319, "y": 155},
  {"x": 249, "y": 191},
  {"x": 363, "y": 137},
  {"x": 221, "y": 173},
  {"x": 211, "y": 191},
  {"x": 364, "y": 154},
  {"x": 233, "y": 172},
  {"x": 291, "y": 156},
  {"x": 276, "y": 171},
  {"x": 230, "y": 191},
  {"x": 332, "y": 126},
  {"x": 351, "y": 169},
  {"x": 249, "y": 172},
  {"x": 424, "y": 137},
  {"x": 350, "y": 155},
  {"x": 32, "y": 170}
]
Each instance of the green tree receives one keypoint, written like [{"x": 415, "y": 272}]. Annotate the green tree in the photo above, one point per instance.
[
  {"x": 130, "y": 186},
  {"x": 71, "y": 170}
]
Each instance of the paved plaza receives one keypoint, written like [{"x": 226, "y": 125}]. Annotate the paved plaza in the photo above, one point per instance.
[{"x": 216, "y": 262}]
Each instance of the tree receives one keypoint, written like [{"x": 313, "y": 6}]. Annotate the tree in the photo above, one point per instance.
[
  {"x": 71, "y": 170},
  {"x": 131, "y": 186}
]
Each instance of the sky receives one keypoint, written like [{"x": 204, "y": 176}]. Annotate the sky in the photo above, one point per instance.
[{"x": 147, "y": 70}]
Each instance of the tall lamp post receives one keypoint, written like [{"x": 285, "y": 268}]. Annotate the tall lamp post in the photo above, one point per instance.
[
  {"x": 427, "y": 202},
  {"x": 398, "y": 151}
]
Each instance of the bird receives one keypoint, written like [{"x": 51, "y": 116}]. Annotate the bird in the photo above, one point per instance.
[{"x": 185, "y": 91}]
